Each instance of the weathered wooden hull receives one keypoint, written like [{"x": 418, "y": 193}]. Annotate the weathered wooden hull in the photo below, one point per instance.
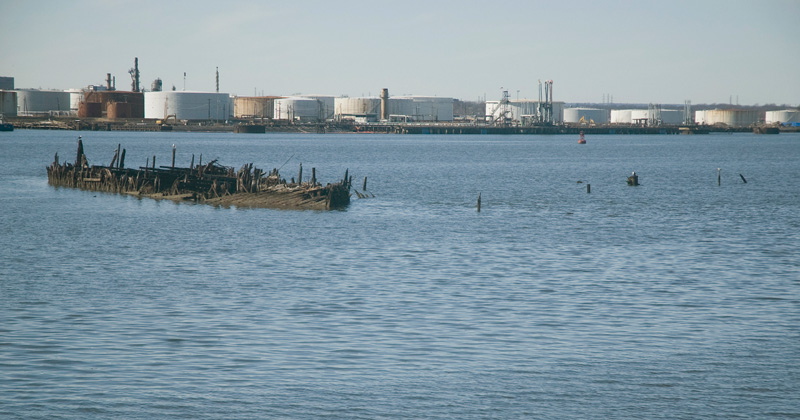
[{"x": 210, "y": 183}]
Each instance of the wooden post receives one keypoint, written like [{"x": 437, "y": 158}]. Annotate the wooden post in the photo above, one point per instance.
[
  {"x": 719, "y": 178},
  {"x": 78, "y": 160},
  {"x": 365, "y": 184},
  {"x": 154, "y": 163},
  {"x": 742, "y": 176},
  {"x": 588, "y": 188},
  {"x": 114, "y": 160},
  {"x": 313, "y": 176},
  {"x": 479, "y": 202},
  {"x": 191, "y": 165},
  {"x": 122, "y": 160},
  {"x": 173, "y": 156},
  {"x": 300, "y": 175}
]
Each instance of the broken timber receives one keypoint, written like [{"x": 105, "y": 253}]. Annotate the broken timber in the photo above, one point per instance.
[{"x": 210, "y": 183}]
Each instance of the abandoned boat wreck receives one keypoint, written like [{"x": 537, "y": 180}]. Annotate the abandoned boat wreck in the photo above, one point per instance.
[{"x": 210, "y": 183}]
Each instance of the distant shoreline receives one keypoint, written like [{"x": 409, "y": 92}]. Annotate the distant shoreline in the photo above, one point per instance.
[{"x": 73, "y": 124}]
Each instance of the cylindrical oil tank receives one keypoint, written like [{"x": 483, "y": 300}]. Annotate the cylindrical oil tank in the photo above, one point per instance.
[
  {"x": 75, "y": 98},
  {"x": 574, "y": 115},
  {"x": 117, "y": 110},
  {"x": 729, "y": 117},
  {"x": 401, "y": 107},
  {"x": 326, "y": 103},
  {"x": 245, "y": 107},
  {"x": 107, "y": 97},
  {"x": 423, "y": 108},
  {"x": 90, "y": 110},
  {"x": 295, "y": 108},
  {"x": 621, "y": 116},
  {"x": 31, "y": 102},
  {"x": 365, "y": 107},
  {"x": 786, "y": 116},
  {"x": 8, "y": 103},
  {"x": 187, "y": 105},
  {"x": 640, "y": 116}
]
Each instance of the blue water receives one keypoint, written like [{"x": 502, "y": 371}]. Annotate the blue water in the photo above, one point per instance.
[{"x": 679, "y": 298}]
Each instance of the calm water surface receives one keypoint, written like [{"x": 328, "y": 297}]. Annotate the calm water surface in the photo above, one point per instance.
[{"x": 676, "y": 299}]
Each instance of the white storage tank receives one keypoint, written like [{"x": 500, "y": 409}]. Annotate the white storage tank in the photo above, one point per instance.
[
  {"x": 422, "y": 108},
  {"x": 75, "y": 98},
  {"x": 326, "y": 103},
  {"x": 36, "y": 102},
  {"x": 574, "y": 115},
  {"x": 402, "y": 107},
  {"x": 362, "y": 109},
  {"x": 640, "y": 116},
  {"x": 187, "y": 105},
  {"x": 8, "y": 103},
  {"x": 254, "y": 106},
  {"x": 729, "y": 117},
  {"x": 786, "y": 116},
  {"x": 622, "y": 116},
  {"x": 295, "y": 108}
]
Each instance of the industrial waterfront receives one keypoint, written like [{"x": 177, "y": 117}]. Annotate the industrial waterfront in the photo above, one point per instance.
[{"x": 105, "y": 108}]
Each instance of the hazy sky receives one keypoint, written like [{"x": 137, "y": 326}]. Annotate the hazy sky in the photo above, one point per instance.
[{"x": 636, "y": 51}]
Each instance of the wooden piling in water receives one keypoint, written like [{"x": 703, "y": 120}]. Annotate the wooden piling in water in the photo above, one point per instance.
[
  {"x": 173, "y": 156},
  {"x": 742, "y": 176},
  {"x": 719, "y": 177},
  {"x": 79, "y": 157},
  {"x": 365, "y": 184},
  {"x": 588, "y": 188},
  {"x": 479, "y": 202},
  {"x": 114, "y": 159},
  {"x": 122, "y": 160}
]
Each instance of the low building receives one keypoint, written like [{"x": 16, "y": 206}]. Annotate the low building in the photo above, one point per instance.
[
  {"x": 8, "y": 103},
  {"x": 6, "y": 83}
]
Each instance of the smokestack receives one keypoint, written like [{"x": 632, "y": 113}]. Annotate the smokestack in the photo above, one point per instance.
[
  {"x": 217, "y": 79},
  {"x": 108, "y": 81},
  {"x": 385, "y": 104},
  {"x": 136, "y": 74}
]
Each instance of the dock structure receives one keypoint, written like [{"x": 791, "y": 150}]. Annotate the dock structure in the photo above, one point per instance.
[
  {"x": 210, "y": 183},
  {"x": 456, "y": 128}
]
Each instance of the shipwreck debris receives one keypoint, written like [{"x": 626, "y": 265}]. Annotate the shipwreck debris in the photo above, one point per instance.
[{"x": 211, "y": 183}]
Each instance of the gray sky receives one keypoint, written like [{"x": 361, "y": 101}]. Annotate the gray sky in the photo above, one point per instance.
[{"x": 636, "y": 51}]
